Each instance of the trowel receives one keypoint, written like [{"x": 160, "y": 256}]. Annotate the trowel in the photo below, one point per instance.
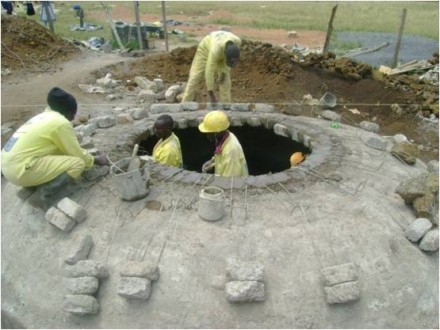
[{"x": 135, "y": 162}]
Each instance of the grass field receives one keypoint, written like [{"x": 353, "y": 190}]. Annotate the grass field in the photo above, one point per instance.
[{"x": 368, "y": 16}]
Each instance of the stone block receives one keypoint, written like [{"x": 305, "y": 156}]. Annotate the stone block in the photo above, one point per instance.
[
  {"x": 72, "y": 209},
  {"x": 342, "y": 293},
  {"x": 83, "y": 285},
  {"x": 433, "y": 166},
  {"x": 165, "y": 108},
  {"x": 124, "y": 118},
  {"x": 87, "y": 142},
  {"x": 429, "y": 242},
  {"x": 245, "y": 291},
  {"x": 417, "y": 229},
  {"x": 86, "y": 130},
  {"x": 172, "y": 92},
  {"x": 331, "y": 115},
  {"x": 426, "y": 206},
  {"x": 406, "y": 152},
  {"x": 106, "y": 121},
  {"x": 60, "y": 219},
  {"x": 281, "y": 130},
  {"x": 181, "y": 123},
  {"x": 254, "y": 121},
  {"x": 159, "y": 83},
  {"x": 80, "y": 250},
  {"x": 244, "y": 271},
  {"x": 339, "y": 274},
  {"x": 87, "y": 268},
  {"x": 377, "y": 143},
  {"x": 262, "y": 107},
  {"x": 236, "y": 121},
  {"x": 240, "y": 107},
  {"x": 134, "y": 288},
  {"x": 190, "y": 106},
  {"x": 417, "y": 187},
  {"x": 140, "y": 269},
  {"x": 147, "y": 96},
  {"x": 80, "y": 304},
  {"x": 369, "y": 126},
  {"x": 144, "y": 83},
  {"x": 138, "y": 113}
]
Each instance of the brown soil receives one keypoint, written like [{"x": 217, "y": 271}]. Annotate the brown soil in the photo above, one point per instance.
[{"x": 266, "y": 74}]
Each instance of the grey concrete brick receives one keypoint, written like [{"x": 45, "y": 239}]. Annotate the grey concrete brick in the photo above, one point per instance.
[
  {"x": 245, "y": 291},
  {"x": 294, "y": 135},
  {"x": 182, "y": 123},
  {"x": 281, "y": 130},
  {"x": 342, "y": 293},
  {"x": 159, "y": 83},
  {"x": 165, "y": 108},
  {"x": 138, "y": 113},
  {"x": 417, "y": 229},
  {"x": 369, "y": 126},
  {"x": 244, "y": 271},
  {"x": 240, "y": 107},
  {"x": 140, "y": 269},
  {"x": 134, "y": 288},
  {"x": 83, "y": 285},
  {"x": 80, "y": 249},
  {"x": 72, "y": 209},
  {"x": 80, "y": 304},
  {"x": 262, "y": 107},
  {"x": 60, "y": 219},
  {"x": 87, "y": 268},
  {"x": 267, "y": 122},
  {"x": 377, "y": 143},
  {"x": 339, "y": 274},
  {"x": 124, "y": 118},
  {"x": 254, "y": 121},
  {"x": 190, "y": 106},
  {"x": 429, "y": 242},
  {"x": 235, "y": 121},
  {"x": 306, "y": 140}
]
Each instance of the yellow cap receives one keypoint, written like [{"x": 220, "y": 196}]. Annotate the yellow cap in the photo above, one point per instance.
[
  {"x": 214, "y": 122},
  {"x": 296, "y": 158}
]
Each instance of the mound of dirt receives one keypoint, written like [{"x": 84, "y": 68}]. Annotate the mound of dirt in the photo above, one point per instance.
[{"x": 27, "y": 45}]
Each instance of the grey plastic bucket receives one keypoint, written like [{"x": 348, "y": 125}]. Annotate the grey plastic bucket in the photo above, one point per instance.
[
  {"x": 211, "y": 203},
  {"x": 131, "y": 185}
]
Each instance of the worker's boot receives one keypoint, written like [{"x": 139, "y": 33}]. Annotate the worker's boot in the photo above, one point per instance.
[{"x": 50, "y": 193}]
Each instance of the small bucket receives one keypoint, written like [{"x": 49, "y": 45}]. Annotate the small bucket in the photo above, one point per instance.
[
  {"x": 211, "y": 204},
  {"x": 328, "y": 100},
  {"x": 132, "y": 185}
]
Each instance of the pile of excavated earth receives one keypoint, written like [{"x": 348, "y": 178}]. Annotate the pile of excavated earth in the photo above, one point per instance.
[{"x": 347, "y": 239}]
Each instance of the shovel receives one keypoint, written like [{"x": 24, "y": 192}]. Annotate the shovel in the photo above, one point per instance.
[{"x": 135, "y": 162}]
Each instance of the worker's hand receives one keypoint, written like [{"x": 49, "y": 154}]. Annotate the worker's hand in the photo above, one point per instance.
[
  {"x": 212, "y": 98},
  {"x": 208, "y": 166},
  {"x": 101, "y": 160}
]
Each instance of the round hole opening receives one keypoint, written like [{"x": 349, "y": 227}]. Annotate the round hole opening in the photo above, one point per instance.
[{"x": 265, "y": 151}]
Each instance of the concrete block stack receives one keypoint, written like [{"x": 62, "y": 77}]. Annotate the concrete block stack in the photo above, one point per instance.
[
  {"x": 245, "y": 282},
  {"x": 83, "y": 284},
  {"x": 66, "y": 214},
  {"x": 136, "y": 280},
  {"x": 340, "y": 284}
]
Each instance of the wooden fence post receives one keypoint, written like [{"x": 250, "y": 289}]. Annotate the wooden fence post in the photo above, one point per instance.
[
  {"x": 330, "y": 29},
  {"x": 138, "y": 24},
  {"x": 399, "y": 38},
  {"x": 164, "y": 19}
]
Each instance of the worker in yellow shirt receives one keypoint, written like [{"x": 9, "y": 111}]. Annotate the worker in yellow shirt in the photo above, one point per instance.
[
  {"x": 44, "y": 152},
  {"x": 216, "y": 54},
  {"x": 229, "y": 159},
  {"x": 167, "y": 150}
]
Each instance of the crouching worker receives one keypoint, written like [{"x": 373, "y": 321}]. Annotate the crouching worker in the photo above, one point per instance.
[
  {"x": 167, "y": 150},
  {"x": 44, "y": 152},
  {"x": 228, "y": 157}
]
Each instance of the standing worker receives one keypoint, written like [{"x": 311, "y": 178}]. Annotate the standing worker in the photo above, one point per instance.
[
  {"x": 216, "y": 54},
  {"x": 47, "y": 14},
  {"x": 228, "y": 157},
  {"x": 167, "y": 150},
  {"x": 44, "y": 152}
]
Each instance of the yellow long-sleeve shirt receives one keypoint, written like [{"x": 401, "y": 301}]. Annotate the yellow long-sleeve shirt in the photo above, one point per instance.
[
  {"x": 231, "y": 161},
  {"x": 213, "y": 47},
  {"x": 48, "y": 133},
  {"x": 168, "y": 151}
]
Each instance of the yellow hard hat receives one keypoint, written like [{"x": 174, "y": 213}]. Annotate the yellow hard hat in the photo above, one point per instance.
[
  {"x": 296, "y": 158},
  {"x": 214, "y": 122}
]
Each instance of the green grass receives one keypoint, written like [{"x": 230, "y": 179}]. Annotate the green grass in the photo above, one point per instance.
[{"x": 422, "y": 16}]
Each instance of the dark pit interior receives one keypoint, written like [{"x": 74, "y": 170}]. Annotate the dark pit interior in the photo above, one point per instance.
[{"x": 264, "y": 150}]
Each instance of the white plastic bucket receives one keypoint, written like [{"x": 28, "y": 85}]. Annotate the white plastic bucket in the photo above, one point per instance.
[{"x": 211, "y": 203}]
